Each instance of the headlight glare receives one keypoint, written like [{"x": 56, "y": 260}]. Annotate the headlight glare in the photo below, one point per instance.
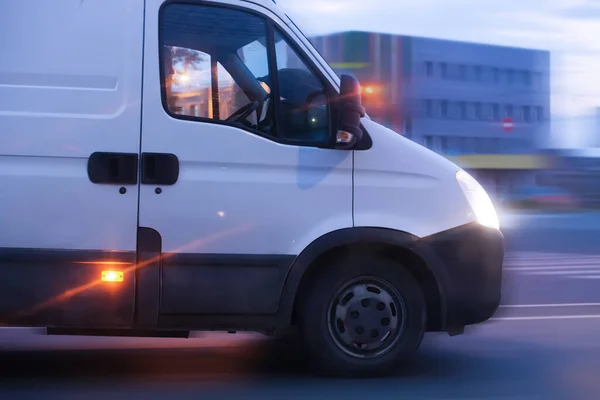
[{"x": 478, "y": 199}]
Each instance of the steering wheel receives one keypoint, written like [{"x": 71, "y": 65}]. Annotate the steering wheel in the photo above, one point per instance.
[{"x": 243, "y": 112}]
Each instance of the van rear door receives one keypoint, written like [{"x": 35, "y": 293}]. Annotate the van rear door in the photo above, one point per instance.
[{"x": 70, "y": 87}]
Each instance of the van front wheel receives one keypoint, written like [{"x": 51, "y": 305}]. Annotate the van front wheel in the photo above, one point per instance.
[{"x": 362, "y": 316}]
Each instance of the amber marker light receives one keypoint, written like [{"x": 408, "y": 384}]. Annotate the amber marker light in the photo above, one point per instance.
[{"x": 112, "y": 276}]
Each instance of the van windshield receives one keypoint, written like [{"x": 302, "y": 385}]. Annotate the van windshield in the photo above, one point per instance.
[{"x": 324, "y": 62}]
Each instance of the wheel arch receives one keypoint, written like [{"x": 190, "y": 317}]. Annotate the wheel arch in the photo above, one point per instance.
[{"x": 394, "y": 244}]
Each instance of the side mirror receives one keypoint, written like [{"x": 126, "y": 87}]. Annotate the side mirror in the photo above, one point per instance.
[{"x": 351, "y": 111}]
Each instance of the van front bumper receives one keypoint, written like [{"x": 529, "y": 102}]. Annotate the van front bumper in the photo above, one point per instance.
[{"x": 467, "y": 264}]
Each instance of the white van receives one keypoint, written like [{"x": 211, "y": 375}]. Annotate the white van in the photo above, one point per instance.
[{"x": 172, "y": 166}]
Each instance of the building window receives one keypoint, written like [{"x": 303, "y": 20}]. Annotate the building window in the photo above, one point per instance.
[
  {"x": 537, "y": 79},
  {"x": 509, "y": 111},
  {"x": 429, "y": 68},
  {"x": 462, "y": 72},
  {"x": 486, "y": 74},
  {"x": 486, "y": 111},
  {"x": 429, "y": 108},
  {"x": 496, "y": 75},
  {"x": 462, "y": 110},
  {"x": 496, "y": 112},
  {"x": 460, "y": 145},
  {"x": 429, "y": 142},
  {"x": 481, "y": 145},
  {"x": 526, "y": 78},
  {"x": 477, "y": 110},
  {"x": 444, "y": 108},
  {"x": 510, "y": 76},
  {"x": 408, "y": 127},
  {"x": 444, "y": 145},
  {"x": 527, "y": 113},
  {"x": 444, "y": 70},
  {"x": 518, "y": 113},
  {"x": 477, "y": 71},
  {"x": 465, "y": 145}
]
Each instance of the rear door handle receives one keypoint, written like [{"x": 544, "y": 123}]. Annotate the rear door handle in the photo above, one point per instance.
[
  {"x": 113, "y": 168},
  {"x": 159, "y": 169}
]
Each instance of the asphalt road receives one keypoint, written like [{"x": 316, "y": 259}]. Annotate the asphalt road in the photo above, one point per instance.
[
  {"x": 562, "y": 233},
  {"x": 544, "y": 343}
]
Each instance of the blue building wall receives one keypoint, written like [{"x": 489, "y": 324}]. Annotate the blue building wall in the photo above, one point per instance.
[
  {"x": 452, "y": 97},
  {"x": 461, "y": 92}
]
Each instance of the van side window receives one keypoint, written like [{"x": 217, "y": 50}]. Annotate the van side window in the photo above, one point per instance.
[
  {"x": 304, "y": 114},
  {"x": 214, "y": 66}
]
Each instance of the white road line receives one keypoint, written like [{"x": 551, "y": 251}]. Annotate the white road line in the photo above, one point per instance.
[
  {"x": 513, "y": 255},
  {"x": 550, "y": 305},
  {"x": 546, "y": 317},
  {"x": 549, "y": 259},
  {"x": 584, "y": 277},
  {"x": 553, "y": 268},
  {"x": 533, "y": 256},
  {"x": 553, "y": 263},
  {"x": 576, "y": 272},
  {"x": 510, "y": 397},
  {"x": 585, "y": 259},
  {"x": 569, "y": 266}
]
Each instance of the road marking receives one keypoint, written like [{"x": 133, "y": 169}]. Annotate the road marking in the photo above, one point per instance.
[
  {"x": 510, "y": 397},
  {"x": 550, "y": 256},
  {"x": 567, "y": 272},
  {"x": 550, "y": 305},
  {"x": 555, "y": 268},
  {"x": 553, "y": 263},
  {"x": 584, "y": 277},
  {"x": 522, "y": 254},
  {"x": 562, "y": 266},
  {"x": 546, "y": 317}
]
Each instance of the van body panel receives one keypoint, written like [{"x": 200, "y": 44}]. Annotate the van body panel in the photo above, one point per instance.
[
  {"x": 69, "y": 87},
  {"x": 401, "y": 185},
  {"x": 63, "y": 288}
]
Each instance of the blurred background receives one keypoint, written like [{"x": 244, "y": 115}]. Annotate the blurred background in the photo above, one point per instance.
[{"x": 509, "y": 90}]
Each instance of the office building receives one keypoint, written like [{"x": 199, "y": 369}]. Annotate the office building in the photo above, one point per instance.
[{"x": 486, "y": 107}]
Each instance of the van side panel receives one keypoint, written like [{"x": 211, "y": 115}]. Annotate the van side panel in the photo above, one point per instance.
[{"x": 70, "y": 85}]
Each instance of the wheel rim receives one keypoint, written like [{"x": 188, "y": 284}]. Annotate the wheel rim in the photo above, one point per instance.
[{"x": 366, "y": 317}]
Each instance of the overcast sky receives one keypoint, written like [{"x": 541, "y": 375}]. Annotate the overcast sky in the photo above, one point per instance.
[{"x": 570, "y": 29}]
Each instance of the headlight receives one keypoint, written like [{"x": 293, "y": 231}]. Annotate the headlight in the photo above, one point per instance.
[{"x": 478, "y": 199}]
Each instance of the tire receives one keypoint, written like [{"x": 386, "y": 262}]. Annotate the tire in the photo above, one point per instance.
[{"x": 328, "y": 348}]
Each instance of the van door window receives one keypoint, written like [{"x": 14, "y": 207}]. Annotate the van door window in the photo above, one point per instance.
[
  {"x": 219, "y": 65},
  {"x": 212, "y": 59},
  {"x": 187, "y": 83},
  {"x": 304, "y": 114}
]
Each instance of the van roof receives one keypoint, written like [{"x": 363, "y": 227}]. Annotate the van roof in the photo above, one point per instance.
[
  {"x": 270, "y": 5},
  {"x": 266, "y": 3}
]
